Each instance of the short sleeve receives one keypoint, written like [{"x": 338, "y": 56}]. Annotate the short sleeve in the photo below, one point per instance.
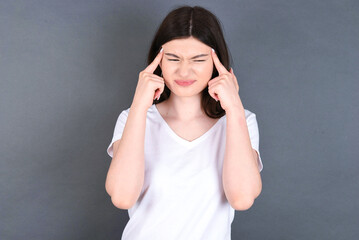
[
  {"x": 117, "y": 134},
  {"x": 254, "y": 135}
]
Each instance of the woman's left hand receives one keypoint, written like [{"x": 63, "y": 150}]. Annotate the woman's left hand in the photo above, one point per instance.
[{"x": 224, "y": 87}]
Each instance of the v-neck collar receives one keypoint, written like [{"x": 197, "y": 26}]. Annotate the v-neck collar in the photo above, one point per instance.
[{"x": 182, "y": 140}]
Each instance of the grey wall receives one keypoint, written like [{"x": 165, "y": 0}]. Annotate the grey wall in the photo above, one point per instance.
[{"x": 67, "y": 69}]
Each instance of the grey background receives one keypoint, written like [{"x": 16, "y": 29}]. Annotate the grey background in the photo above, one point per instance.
[{"x": 68, "y": 68}]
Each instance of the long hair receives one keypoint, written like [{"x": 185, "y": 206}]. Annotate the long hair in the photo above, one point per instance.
[{"x": 197, "y": 22}]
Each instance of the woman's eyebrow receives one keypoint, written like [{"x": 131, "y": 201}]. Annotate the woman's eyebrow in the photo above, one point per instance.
[{"x": 197, "y": 56}]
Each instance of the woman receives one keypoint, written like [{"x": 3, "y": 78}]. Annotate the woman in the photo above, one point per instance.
[{"x": 185, "y": 154}]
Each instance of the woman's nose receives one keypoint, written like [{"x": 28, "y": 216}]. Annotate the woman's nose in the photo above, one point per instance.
[{"x": 184, "y": 69}]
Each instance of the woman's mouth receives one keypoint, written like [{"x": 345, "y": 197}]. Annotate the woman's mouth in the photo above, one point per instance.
[{"x": 184, "y": 82}]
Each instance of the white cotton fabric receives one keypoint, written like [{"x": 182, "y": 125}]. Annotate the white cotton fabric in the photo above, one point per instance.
[{"x": 182, "y": 196}]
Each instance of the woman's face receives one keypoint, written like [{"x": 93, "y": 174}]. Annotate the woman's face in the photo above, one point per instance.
[{"x": 186, "y": 59}]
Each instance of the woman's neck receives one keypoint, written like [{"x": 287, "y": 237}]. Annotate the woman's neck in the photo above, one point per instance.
[{"x": 183, "y": 108}]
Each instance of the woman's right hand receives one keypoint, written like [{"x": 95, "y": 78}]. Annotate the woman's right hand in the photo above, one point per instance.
[{"x": 149, "y": 86}]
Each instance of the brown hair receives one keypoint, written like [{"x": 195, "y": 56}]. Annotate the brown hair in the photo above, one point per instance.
[{"x": 197, "y": 22}]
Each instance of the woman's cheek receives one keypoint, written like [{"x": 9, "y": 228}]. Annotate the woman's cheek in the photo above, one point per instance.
[
  {"x": 206, "y": 70},
  {"x": 165, "y": 68},
  {"x": 167, "y": 72}
]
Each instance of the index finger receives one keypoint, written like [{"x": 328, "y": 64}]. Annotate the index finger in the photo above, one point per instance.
[
  {"x": 220, "y": 68},
  {"x": 152, "y": 67}
]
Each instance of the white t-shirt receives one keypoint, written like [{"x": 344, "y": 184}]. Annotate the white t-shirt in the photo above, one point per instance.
[{"x": 182, "y": 196}]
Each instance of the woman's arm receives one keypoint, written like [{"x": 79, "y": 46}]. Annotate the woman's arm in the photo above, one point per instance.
[
  {"x": 125, "y": 176},
  {"x": 241, "y": 177}
]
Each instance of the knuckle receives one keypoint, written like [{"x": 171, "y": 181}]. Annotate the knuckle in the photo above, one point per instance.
[
  {"x": 142, "y": 73},
  {"x": 145, "y": 75}
]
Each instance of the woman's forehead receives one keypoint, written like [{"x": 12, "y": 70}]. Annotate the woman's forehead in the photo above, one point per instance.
[
  {"x": 186, "y": 51},
  {"x": 182, "y": 45},
  {"x": 170, "y": 54}
]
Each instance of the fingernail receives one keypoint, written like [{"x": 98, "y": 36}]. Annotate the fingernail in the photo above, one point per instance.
[
  {"x": 158, "y": 98},
  {"x": 213, "y": 50},
  {"x": 161, "y": 49}
]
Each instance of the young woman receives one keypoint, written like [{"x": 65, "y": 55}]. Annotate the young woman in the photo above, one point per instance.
[{"x": 185, "y": 154}]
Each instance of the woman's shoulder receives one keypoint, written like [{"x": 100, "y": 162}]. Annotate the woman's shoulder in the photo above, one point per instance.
[
  {"x": 250, "y": 116},
  {"x": 151, "y": 112},
  {"x": 248, "y": 113},
  {"x": 127, "y": 110}
]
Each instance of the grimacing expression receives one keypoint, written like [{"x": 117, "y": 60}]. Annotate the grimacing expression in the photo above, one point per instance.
[{"x": 186, "y": 59}]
